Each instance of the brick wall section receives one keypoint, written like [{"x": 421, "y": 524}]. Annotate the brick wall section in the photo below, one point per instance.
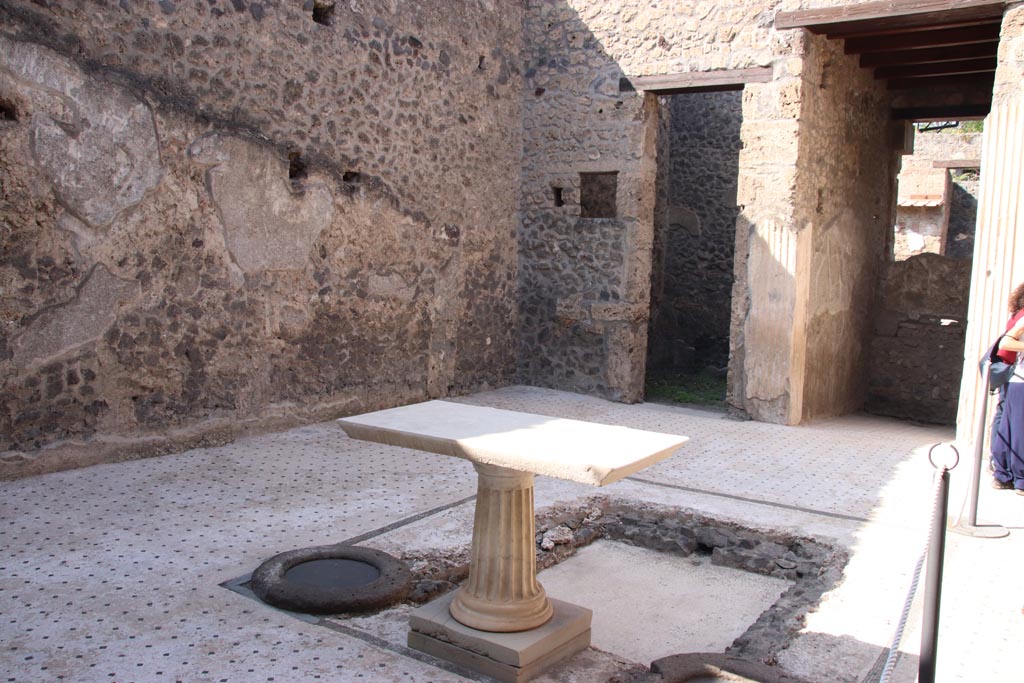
[
  {"x": 225, "y": 215},
  {"x": 915, "y": 360},
  {"x": 947, "y": 228},
  {"x": 692, "y": 293}
]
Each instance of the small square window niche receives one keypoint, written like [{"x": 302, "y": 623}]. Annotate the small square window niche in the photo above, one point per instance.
[
  {"x": 558, "y": 196},
  {"x": 597, "y": 194}
]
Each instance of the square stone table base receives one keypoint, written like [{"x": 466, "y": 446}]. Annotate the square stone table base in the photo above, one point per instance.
[{"x": 508, "y": 657}]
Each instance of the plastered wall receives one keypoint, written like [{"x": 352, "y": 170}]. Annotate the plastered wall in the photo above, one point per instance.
[{"x": 846, "y": 206}]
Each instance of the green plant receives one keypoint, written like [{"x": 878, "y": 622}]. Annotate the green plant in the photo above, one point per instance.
[{"x": 705, "y": 388}]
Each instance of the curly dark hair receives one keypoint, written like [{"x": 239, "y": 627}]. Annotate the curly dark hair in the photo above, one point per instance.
[{"x": 1017, "y": 300}]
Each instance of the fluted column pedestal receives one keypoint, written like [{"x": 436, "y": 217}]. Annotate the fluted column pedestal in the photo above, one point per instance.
[
  {"x": 502, "y": 593},
  {"x": 501, "y": 622}
]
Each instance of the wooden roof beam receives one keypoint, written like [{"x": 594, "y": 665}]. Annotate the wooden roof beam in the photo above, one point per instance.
[
  {"x": 891, "y": 13},
  {"x": 954, "y": 112},
  {"x": 940, "y": 37},
  {"x": 984, "y": 79},
  {"x": 957, "y": 163},
  {"x": 963, "y": 66},
  {"x": 929, "y": 55}
]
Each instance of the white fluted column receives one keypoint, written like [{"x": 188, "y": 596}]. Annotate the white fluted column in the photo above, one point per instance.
[{"x": 502, "y": 593}]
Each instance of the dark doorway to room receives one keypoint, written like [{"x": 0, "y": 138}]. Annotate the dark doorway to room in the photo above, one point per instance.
[{"x": 694, "y": 243}]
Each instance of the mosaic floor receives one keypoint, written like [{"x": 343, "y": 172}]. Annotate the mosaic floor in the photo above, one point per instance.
[{"x": 113, "y": 573}]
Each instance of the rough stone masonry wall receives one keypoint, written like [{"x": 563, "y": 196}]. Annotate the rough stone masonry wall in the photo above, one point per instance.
[
  {"x": 917, "y": 346},
  {"x": 228, "y": 214},
  {"x": 848, "y": 208},
  {"x": 585, "y": 283},
  {"x": 691, "y": 307}
]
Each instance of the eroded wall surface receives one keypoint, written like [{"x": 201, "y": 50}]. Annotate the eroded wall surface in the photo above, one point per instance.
[
  {"x": 847, "y": 207},
  {"x": 691, "y": 298},
  {"x": 227, "y": 215},
  {"x": 917, "y": 345}
]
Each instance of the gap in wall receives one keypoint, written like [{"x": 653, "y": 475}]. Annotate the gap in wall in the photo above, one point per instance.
[{"x": 694, "y": 244}]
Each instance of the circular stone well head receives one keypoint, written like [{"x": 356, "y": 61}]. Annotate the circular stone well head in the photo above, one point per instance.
[{"x": 330, "y": 579}]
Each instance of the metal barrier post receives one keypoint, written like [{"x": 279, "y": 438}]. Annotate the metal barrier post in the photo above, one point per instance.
[
  {"x": 933, "y": 585},
  {"x": 970, "y": 527}
]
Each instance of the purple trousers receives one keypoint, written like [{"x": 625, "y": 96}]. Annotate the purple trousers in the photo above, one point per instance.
[{"x": 1008, "y": 445}]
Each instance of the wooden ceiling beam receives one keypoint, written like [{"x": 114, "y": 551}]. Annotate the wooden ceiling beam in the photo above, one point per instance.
[
  {"x": 954, "y": 112},
  {"x": 963, "y": 66},
  {"x": 928, "y": 82},
  {"x": 872, "y": 30},
  {"x": 893, "y": 13},
  {"x": 929, "y": 55},
  {"x": 938, "y": 38}
]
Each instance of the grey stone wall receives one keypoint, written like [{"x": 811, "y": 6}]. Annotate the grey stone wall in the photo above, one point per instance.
[
  {"x": 693, "y": 263},
  {"x": 579, "y": 117},
  {"x": 963, "y": 214},
  {"x": 917, "y": 345},
  {"x": 219, "y": 216}
]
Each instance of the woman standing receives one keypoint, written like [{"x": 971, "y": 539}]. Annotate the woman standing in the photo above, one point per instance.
[{"x": 1008, "y": 432}]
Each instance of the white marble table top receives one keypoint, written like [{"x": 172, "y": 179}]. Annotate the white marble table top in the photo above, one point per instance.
[{"x": 584, "y": 452}]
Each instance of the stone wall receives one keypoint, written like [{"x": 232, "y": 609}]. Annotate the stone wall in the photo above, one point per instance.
[
  {"x": 965, "y": 184},
  {"x": 917, "y": 347},
  {"x": 227, "y": 215},
  {"x": 847, "y": 209},
  {"x": 584, "y": 282},
  {"x": 693, "y": 272}
]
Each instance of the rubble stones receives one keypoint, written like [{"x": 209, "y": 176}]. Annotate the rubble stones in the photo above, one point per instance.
[{"x": 917, "y": 346}]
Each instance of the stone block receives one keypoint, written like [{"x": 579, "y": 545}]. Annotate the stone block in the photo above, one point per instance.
[{"x": 508, "y": 657}]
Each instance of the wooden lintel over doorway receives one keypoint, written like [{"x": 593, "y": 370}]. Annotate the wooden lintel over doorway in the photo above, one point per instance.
[
  {"x": 957, "y": 163},
  {"x": 701, "y": 81},
  {"x": 938, "y": 112}
]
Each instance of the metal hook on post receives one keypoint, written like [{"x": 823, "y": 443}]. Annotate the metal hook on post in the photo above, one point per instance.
[{"x": 970, "y": 527}]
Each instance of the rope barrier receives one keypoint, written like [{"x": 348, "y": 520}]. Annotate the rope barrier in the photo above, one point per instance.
[{"x": 940, "y": 489}]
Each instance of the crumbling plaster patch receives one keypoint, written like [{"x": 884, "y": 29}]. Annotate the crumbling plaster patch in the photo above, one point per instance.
[
  {"x": 96, "y": 143},
  {"x": 267, "y": 225},
  {"x": 60, "y": 329}
]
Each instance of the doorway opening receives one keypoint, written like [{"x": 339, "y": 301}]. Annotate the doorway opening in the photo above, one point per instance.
[
  {"x": 694, "y": 244},
  {"x": 917, "y": 345}
]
